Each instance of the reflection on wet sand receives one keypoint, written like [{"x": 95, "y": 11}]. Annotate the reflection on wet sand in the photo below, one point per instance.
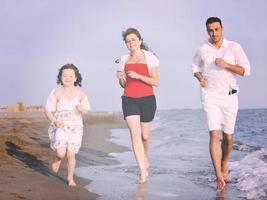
[
  {"x": 221, "y": 194},
  {"x": 140, "y": 192}
]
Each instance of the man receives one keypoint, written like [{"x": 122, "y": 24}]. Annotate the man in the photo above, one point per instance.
[{"x": 215, "y": 65}]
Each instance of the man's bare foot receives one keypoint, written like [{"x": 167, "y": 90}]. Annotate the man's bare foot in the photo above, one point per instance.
[
  {"x": 71, "y": 183},
  {"x": 55, "y": 166},
  {"x": 225, "y": 171},
  {"x": 220, "y": 183},
  {"x": 221, "y": 194}
]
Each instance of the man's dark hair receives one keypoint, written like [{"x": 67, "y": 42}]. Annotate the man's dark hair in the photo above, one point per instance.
[{"x": 211, "y": 20}]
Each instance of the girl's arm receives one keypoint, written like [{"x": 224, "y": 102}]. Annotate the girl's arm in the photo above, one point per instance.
[
  {"x": 84, "y": 106},
  {"x": 51, "y": 107},
  {"x": 82, "y": 110},
  {"x": 52, "y": 119}
]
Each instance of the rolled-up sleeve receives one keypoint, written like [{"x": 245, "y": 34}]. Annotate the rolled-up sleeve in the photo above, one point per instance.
[
  {"x": 241, "y": 59},
  {"x": 196, "y": 62}
]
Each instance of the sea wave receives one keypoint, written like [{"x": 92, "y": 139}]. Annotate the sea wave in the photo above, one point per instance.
[{"x": 250, "y": 174}]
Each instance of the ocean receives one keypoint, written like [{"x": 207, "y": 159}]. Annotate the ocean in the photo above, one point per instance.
[{"x": 180, "y": 164}]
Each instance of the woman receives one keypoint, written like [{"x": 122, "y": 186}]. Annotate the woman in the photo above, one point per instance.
[{"x": 138, "y": 74}]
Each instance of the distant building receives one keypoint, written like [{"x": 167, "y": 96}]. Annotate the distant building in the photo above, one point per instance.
[
  {"x": 21, "y": 107},
  {"x": 14, "y": 108}
]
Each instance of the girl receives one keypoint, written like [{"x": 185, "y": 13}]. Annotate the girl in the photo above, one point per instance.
[
  {"x": 64, "y": 109},
  {"x": 137, "y": 75}
]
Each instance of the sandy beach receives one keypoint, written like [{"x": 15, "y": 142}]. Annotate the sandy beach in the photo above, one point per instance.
[
  {"x": 179, "y": 159},
  {"x": 25, "y": 156}
]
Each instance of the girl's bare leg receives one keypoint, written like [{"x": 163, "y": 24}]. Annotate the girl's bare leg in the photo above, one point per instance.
[
  {"x": 61, "y": 152},
  {"x": 71, "y": 167}
]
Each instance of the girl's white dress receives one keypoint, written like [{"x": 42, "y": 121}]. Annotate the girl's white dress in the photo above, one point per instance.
[{"x": 70, "y": 135}]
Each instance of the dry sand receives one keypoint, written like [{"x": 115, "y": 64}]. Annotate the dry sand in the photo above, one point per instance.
[{"x": 25, "y": 156}]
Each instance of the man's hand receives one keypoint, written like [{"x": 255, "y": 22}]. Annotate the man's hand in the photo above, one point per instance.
[
  {"x": 221, "y": 63},
  {"x": 203, "y": 82}
]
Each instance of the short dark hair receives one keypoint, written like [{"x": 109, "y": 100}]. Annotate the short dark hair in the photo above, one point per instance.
[
  {"x": 77, "y": 74},
  {"x": 211, "y": 20}
]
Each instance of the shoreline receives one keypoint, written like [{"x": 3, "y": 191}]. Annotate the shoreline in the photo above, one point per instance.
[{"x": 25, "y": 155}]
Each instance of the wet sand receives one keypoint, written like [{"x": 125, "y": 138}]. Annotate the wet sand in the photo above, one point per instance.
[{"x": 25, "y": 156}]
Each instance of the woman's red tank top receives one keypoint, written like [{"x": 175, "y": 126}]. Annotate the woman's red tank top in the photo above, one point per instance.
[{"x": 135, "y": 88}]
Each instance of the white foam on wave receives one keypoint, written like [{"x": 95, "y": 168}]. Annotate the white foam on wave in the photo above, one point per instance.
[{"x": 250, "y": 174}]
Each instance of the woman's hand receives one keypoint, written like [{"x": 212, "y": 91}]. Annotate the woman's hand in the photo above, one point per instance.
[
  {"x": 120, "y": 75},
  {"x": 134, "y": 75}
]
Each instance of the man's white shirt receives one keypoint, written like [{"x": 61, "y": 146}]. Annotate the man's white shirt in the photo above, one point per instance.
[{"x": 220, "y": 80}]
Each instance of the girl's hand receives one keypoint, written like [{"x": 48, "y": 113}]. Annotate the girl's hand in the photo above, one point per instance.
[
  {"x": 58, "y": 123},
  {"x": 134, "y": 75},
  {"x": 79, "y": 108}
]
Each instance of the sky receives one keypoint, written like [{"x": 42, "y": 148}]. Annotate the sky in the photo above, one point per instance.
[{"x": 37, "y": 37}]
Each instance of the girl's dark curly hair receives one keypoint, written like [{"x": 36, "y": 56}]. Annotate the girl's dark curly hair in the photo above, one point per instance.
[{"x": 77, "y": 74}]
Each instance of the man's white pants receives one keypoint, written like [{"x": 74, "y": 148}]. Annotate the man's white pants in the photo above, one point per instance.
[{"x": 220, "y": 112}]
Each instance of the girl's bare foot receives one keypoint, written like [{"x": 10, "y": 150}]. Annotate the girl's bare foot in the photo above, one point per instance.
[
  {"x": 71, "y": 183},
  {"x": 55, "y": 165}
]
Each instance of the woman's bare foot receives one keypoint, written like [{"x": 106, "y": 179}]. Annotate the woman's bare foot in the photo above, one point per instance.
[
  {"x": 220, "y": 183},
  {"x": 55, "y": 165},
  {"x": 143, "y": 177},
  {"x": 225, "y": 171},
  {"x": 147, "y": 164},
  {"x": 71, "y": 183}
]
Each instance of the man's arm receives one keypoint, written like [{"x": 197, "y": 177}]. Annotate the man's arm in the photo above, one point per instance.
[
  {"x": 233, "y": 68},
  {"x": 197, "y": 62},
  {"x": 202, "y": 80},
  {"x": 241, "y": 65}
]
